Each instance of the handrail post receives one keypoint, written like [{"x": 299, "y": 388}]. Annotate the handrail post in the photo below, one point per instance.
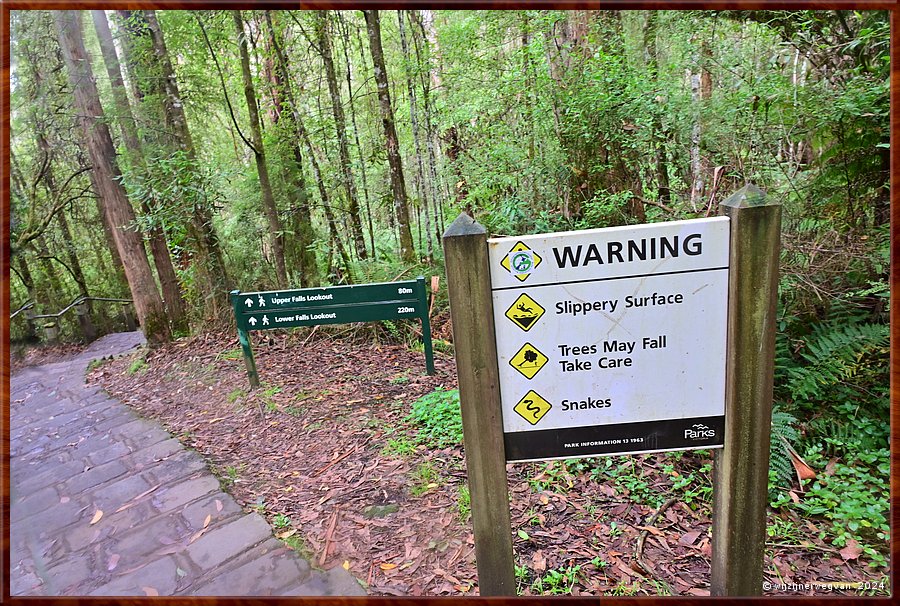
[
  {"x": 51, "y": 331},
  {"x": 83, "y": 311},
  {"x": 471, "y": 310},
  {"x": 129, "y": 317},
  {"x": 742, "y": 466},
  {"x": 30, "y": 329}
]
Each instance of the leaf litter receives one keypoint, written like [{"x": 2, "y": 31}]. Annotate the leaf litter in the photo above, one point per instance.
[{"x": 313, "y": 444}]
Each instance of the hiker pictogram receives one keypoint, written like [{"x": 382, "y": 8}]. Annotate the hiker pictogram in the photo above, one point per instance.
[
  {"x": 528, "y": 360},
  {"x": 520, "y": 261},
  {"x": 524, "y": 312},
  {"x": 532, "y": 407}
]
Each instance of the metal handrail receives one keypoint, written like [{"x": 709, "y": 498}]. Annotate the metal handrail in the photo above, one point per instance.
[
  {"x": 78, "y": 300},
  {"x": 28, "y": 305}
]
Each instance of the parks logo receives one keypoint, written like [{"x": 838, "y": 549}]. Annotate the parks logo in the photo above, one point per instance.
[{"x": 699, "y": 431}]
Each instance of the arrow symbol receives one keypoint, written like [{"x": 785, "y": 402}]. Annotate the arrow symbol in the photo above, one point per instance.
[
  {"x": 252, "y": 321},
  {"x": 248, "y": 302},
  {"x": 265, "y": 320}
]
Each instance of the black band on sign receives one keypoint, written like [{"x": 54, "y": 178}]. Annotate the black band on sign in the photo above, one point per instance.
[{"x": 620, "y": 438}]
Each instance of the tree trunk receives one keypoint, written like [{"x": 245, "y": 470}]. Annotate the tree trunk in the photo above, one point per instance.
[
  {"x": 398, "y": 189},
  {"x": 362, "y": 160},
  {"x": 340, "y": 125},
  {"x": 71, "y": 255},
  {"x": 58, "y": 292},
  {"x": 420, "y": 174},
  {"x": 658, "y": 138},
  {"x": 176, "y": 308},
  {"x": 429, "y": 41},
  {"x": 147, "y": 302},
  {"x": 286, "y": 107},
  {"x": 326, "y": 205},
  {"x": 276, "y": 232},
  {"x": 213, "y": 279}
]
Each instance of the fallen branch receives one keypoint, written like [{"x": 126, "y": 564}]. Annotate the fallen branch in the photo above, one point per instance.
[
  {"x": 328, "y": 536},
  {"x": 401, "y": 273},
  {"x": 311, "y": 334},
  {"x": 339, "y": 459},
  {"x": 639, "y": 549}
]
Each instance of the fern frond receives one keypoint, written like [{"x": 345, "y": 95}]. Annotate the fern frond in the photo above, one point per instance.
[
  {"x": 783, "y": 433},
  {"x": 834, "y": 354}
]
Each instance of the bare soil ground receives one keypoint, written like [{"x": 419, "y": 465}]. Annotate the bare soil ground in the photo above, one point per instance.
[
  {"x": 22, "y": 356},
  {"x": 324, "y": 451}
]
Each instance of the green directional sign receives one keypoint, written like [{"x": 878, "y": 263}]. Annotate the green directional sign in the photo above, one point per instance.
[
  {"x": 330, "y": 295},
  {"x": 266, "y": 310},
  {"x": 333, "y": 314}
]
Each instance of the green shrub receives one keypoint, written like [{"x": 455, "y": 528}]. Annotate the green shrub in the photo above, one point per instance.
[{"x": 438, "y": 418}]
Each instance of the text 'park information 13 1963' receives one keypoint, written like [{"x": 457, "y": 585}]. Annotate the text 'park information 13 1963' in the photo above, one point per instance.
[{"x": 612, "y": 340}]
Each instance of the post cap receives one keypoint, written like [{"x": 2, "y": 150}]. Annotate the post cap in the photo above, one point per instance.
[
  {"x": 464, "y": 225},
  {"x": 749, "y": 196}
]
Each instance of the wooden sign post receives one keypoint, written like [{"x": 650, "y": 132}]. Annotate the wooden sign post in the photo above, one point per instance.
[
  {"x": 741, "y": 469},
  {"x": 471, "y": 311},
  {"x": 630, "y": 339}
]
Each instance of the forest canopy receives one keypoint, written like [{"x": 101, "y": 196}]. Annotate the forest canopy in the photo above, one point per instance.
[{"x": 261, "y": 149}]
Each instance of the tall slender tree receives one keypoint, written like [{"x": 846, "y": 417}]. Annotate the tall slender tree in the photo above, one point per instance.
[
  {"x": 323, "y": 36},
  {"x": 147, "y": 302},
  {"x": 359, "y": 149},
  {"x": 201, "y": 232},
  {"x": 414, "y": 120},
  {"x": 165, "y": 270},
  {"x": 276, "y": 232},
  {"x": 285, "y": 110},
  {"x": 392, "y": 145}
]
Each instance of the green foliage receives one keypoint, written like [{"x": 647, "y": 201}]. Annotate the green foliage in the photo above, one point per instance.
[
  {"x": 400, "y": 446},
  {"x": 835, "y": 354},
  {"x": 783, "y": 435},
  {"x": 464, "y": 503},
  {"x": 838, "y": 380},
  {"x": 426, "y": 477},
  {"x": 558, "y": 581},
  {"x": 438, "y": 418},
  {"x": 281, "y": 521},
  {"x": 137, "y": 365},
  {"x": 236, "y": 394}
]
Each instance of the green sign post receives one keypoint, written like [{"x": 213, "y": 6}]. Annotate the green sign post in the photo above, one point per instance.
[{"x": 266, "y": 310}]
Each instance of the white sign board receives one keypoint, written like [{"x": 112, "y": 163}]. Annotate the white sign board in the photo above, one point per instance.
[{"x": 612, "y": 340}]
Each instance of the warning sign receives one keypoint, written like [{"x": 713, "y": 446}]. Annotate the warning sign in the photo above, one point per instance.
[
  {"x": 524, "y": 312},
  {"x": 532, "y": 407},
  {"x": 528, "y": 360},
  {"x": 520, "y": 261}
]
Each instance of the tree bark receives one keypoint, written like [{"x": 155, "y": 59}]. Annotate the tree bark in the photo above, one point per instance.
[
  {"x": 658, "y": 138},
  {"x": 398, "y": 188},
  {"x": 71, "y": 254},
  {"x": 326, "y": 205},
  {"x": 176, "y": 308},
  {"x": 276, "y": 232},
  {"x": 362, "y": 160},
  {"x": 430, "y": 41},
  {"x": 201, "y": 233},
  {"x": 340, "y": 124},
  {"x": 413, "y": 116},
  {"x": 286, "y": 107},
  {"x": 147, "y": 302}
]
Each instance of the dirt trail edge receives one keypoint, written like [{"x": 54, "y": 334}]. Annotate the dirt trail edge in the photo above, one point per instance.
[{"x": 106, "y": 503}]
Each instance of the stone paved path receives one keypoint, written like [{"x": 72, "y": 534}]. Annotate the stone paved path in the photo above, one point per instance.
[{"x": 75, "y": 452}]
